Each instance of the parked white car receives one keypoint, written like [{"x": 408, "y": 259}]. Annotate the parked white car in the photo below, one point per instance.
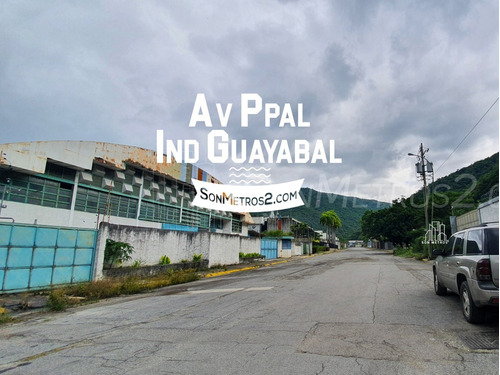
[{"x": 468, "y": 266}]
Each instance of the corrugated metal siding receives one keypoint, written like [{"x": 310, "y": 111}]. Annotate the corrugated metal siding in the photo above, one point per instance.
[{"x": 468, "y": 220}]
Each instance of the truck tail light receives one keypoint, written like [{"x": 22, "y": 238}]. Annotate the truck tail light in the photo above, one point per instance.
[{"x": 483, "y": 270}]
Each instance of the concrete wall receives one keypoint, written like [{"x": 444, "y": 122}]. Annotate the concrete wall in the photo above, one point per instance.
[
  {"x": 151, "y": 244},
  {"x": 296, "y": 248},
  {"x": 250, "y": 247}
]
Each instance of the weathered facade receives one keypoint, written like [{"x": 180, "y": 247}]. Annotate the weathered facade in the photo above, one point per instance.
[
  {"x": 80, "y": 184},
  {"x": 151, "y": 244}
]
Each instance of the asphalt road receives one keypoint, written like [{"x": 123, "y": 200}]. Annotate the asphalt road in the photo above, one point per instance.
[{"x": 357, "y": 311}]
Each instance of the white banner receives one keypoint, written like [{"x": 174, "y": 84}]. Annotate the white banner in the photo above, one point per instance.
[{"x": 258, "y": 198}]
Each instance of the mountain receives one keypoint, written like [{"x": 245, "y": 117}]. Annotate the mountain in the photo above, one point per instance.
[
  {"x": 478, "y": 179},
  {"x": 458, "y": 193},
  {"x": 349, "y": 209}
]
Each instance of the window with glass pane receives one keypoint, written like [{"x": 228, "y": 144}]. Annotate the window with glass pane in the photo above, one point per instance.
[{"x": 475, "y": 242}]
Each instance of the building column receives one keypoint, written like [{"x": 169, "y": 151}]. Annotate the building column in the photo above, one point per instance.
[
  {"x": 73, "y": 199},
  {"x": 140, "y": 200}
]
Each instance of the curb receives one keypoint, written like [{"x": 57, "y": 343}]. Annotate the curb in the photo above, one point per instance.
[{"x": 222, "y": 273}]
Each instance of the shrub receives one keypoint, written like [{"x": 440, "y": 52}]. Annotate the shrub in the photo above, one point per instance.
[
  {"x": 164, "y": 260},
  {"x": 273, "y": 233},
  {"x": 5, "y": 317},
  {"x": 318, "y": 249},
  {"x": 138, "y": 263},
  {"x": 117, "y": 252},
  {"x": 197, "y": 257},
  {"x": 57, "y": 301},
  {"x": 250, "y": 255}
]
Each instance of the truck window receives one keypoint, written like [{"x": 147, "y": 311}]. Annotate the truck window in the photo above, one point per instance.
[
  {"x": 491, "y": 241},
  {"x": 458, "y": 248},
  {"x": 475, "y": 242},
  {"x": 449, "y": 246}
]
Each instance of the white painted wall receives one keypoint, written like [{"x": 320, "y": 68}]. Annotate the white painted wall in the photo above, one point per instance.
[
  {"x": 151, "y": 244},
  {"x": 27, "y": 213},
  {"x": 296, "y": 248},
  {"x": 249, "y": 247}
]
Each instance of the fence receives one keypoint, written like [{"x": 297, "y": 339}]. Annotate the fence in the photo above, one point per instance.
[{"x": 37, "y": 257}]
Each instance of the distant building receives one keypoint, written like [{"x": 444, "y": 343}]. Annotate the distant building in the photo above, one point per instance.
[
  {"x": 284, "y": 224},
  {"x": 80, "y": 183}
]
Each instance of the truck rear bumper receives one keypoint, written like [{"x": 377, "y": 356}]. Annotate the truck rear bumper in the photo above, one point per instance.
[{"x": 483, "y": 295}]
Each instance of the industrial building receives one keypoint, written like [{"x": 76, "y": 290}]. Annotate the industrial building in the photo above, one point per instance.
[{"x": 82, "y": 183}]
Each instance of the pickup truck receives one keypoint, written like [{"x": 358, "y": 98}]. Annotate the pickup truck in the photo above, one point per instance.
[{"x": 468, "y": 266}]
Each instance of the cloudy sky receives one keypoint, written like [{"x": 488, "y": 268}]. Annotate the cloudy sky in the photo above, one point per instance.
[{"x": 378, "y": 77}]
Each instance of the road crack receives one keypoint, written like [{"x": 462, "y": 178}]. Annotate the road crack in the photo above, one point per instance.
[{"x": 375, "y": 297}]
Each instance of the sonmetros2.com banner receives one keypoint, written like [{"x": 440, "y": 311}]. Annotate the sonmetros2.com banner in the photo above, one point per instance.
[{"x": 248, "y": 198}]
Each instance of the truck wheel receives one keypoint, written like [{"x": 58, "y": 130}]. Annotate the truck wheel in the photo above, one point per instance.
[
  {"x": 472, "y": 313},
  {"x": 438, "y": 288}
]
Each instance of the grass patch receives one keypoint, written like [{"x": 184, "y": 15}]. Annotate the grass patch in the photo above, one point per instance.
[
  {"x": 249, "y": 255},
  {"x": 319, "y": 249},
  {"x": 61, "y": 298},
  {"x": 408, "y": 252},
  {"x": 5, "y": 317}
]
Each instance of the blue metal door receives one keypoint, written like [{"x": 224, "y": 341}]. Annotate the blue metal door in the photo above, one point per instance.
[
  {"x": 36, "y": 257},
  {"x": 269, "y": 247}
]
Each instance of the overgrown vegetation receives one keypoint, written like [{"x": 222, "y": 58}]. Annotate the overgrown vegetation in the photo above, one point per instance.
[
  {"x": 117, "y": 253},
  {"x": 249, "y": 255},
  {"x": 409, "y": 252},
  {"x": 319, "y": 249},
  {"x": 276, "y": 233},
  {"x": 61, "y": 298},
  {"x": 197, "y": 257},
  {"x": 5, "y": 317}
]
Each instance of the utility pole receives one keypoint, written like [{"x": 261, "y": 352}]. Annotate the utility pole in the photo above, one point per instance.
[
  {"x": 426, "y": 211},
  {"x": 423, "y": 167}
]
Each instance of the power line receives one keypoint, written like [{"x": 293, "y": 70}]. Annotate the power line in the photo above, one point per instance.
[{"x": 462, "y": 141}]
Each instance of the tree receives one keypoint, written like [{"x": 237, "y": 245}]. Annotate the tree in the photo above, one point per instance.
[
  {"x": 117, "y": 252},
  {"x": 300, "y": 230},
  {"x": 331, "y": 221}
]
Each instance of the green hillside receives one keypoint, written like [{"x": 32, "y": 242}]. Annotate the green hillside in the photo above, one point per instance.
[
  {"x": 404, "y": 222},
  {"x": 349, "y": 209},
  {"x": 477, "y": 179}
]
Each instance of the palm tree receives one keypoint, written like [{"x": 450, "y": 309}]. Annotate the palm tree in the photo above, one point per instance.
[{"x": 331, "y": 221}]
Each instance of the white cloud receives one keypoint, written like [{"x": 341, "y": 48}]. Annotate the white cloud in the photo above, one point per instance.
[{"x": 378, "y": 77}]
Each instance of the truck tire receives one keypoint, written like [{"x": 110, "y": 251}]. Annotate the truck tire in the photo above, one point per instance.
[
  {"x": 472, "y": 313},
  {"x": 438, "y": 288}
]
